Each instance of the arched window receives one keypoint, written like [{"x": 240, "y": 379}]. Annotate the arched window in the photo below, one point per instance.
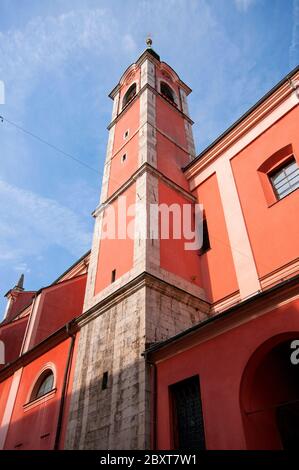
[
  {"x": 279, "y": 174},
  {"x": 285, "y": 178},
  {"x": 130, "y": 93},
  {"x": 44, "y": 384},
  {"x": 167, "y": 91}
]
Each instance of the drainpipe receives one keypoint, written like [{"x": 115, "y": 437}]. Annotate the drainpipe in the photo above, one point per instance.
[
  {"x": 153, "y": 381},
  {"x": 72, "y": 334}
]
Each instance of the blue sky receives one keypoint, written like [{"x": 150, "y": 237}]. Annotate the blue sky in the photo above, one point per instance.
[{"x": 60, "y": 59}]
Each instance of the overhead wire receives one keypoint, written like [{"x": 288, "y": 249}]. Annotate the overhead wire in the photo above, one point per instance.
[{"x": 77, "y": 160}]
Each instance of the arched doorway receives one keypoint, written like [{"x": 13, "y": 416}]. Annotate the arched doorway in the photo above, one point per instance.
[{"x": 269, "y": 396}]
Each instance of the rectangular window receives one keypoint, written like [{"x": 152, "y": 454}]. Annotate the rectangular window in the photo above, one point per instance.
[
  {"x": 105, "y": 381},
  {"x": 205, "y": 238},
  {"x": 113, "y": 275},
  {"x": 285, "y": 179},
  {"x": 188, "y": 426}
]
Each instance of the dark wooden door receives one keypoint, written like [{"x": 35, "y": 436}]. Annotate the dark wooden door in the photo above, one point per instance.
[{"x": 187, "y": 415}]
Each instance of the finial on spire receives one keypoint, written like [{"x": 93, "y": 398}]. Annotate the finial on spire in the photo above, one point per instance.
[
  {"x": 149, "y": 41},
  {"x": 20, "y": 284}
]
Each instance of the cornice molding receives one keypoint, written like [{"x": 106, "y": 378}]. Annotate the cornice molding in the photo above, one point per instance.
[
  {"x": 50, "y": 342},
  {"x": 233, "y": 317},
  {"x": 145, "y": 168},
  {"x": 244, "y": 126},
  {"x": 141, "y": 281}
]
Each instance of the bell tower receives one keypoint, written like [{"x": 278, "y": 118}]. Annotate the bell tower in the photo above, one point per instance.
[{"x": 142, "y": 287}]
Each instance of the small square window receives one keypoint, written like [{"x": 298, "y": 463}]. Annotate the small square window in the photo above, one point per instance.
[
  {"x": 285, "y": 179},
  {"x": 105, "y": 381}
]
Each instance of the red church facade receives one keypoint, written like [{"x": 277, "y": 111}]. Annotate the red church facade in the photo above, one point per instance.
[
  {"x": 142, "y": 343},
  {"x": 40, "y": 339}
]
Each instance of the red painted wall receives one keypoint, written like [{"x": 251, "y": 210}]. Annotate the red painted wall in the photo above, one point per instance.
[
  {"x": 35, "y": 428},
  {"x": 59, "y": 304},
  {"x": 171, "y": 160},
  {"x": 120, "y": 171},
  {"x": 12, "y": 335},
  {"x": 173, "y": 255},
  {"x": 20, "y": 303},
  {"x": 116, "y": 253},
  {"x": 220, "y": 364},
  {"x": 129, "y": 121},
  {"x": 170, "y": 122},
  {"x": 4, "y": 392},
  {"x": 217, "y": 268},
  {"x": 269, "y": 226}
]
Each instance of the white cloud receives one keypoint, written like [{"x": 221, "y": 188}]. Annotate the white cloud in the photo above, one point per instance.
[
  {"x": 31, "y": 223},
  {"x": 243, "y": 5},
  {"x": 128, "y": 43},
  {"x": 22, "y": 268},
  {"x": 294, "y": 47},
  {"x": 46, "y": 43}
]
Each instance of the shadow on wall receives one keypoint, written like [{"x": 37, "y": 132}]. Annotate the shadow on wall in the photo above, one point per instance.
[
  {"x": 109, "y": 412},
  {"x": 269, "y": 396}
]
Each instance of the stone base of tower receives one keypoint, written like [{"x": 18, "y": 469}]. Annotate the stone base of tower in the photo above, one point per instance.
[{"x": 113, "y": 336}]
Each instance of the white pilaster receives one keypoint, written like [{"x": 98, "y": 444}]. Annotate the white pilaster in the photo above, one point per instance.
[
  {"x": 115, "y": 106},
  {"x": 148, "y": 74},
  {"x": 147, "y": 129},
  {"x": 245, "y": 267},
  {"x": 184, "y": 101},
  {"x": 190, "y": 140}
]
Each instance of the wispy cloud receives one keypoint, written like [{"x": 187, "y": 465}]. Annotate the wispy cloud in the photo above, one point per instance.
[
  {"x": 31, "y": 223},
  {"x": 244, "y": 5},
  {"x": 75, "y": 53},
  {"x": 46, "y": 43},
  {"x": 22, "y": 268},
  {"x": 294, "y": 47}
]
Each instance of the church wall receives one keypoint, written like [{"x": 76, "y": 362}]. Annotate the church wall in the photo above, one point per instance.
[
  {"x": 171, "y": 160},
  {"x": 113, "y": 418},
  {"x": 279, "y": 217},
  {"x": 33, "y": 425},
  {"x": 216, "y": 265},
  {"x": 12, "y": 336},
  {"x": 116, "y": 251},
  {"x": 122, "y": 168},
  {"x": 53, "y": 312},
  {"x": 173, "y": 255},
  {"x": 170, "y": 122},
  {"x": 213, "y": 358}
]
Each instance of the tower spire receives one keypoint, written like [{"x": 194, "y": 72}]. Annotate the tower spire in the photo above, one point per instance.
[{"x": 20, "y": 283}]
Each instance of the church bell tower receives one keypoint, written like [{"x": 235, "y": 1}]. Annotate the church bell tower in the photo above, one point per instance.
[{"x": 141, "y": 288}]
